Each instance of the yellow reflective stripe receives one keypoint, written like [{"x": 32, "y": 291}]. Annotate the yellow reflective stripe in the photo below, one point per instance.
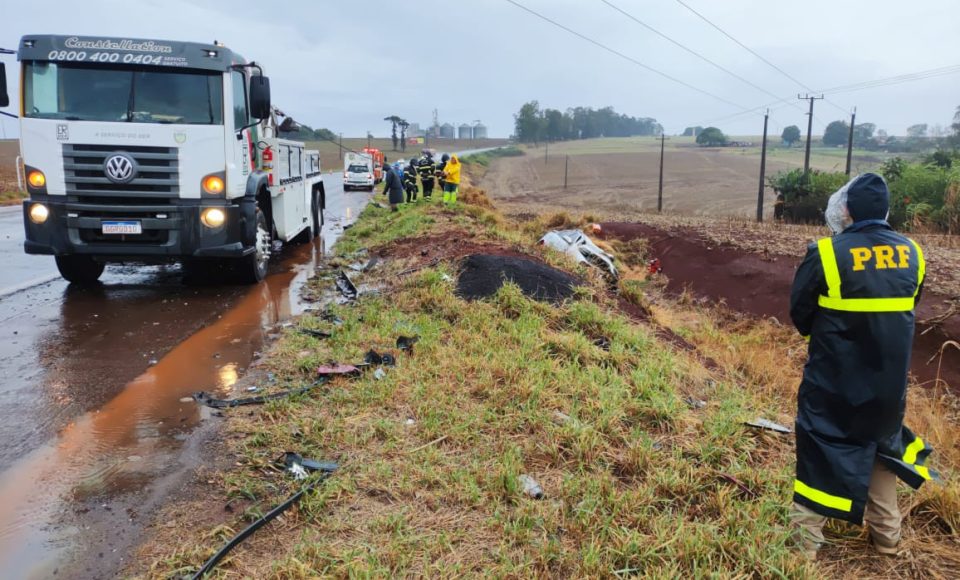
[
  {"x": 868, "y": 304},
  {"x": 821, "y": 497},
  {"x": 830, "y": 270},
  {"x": 910, "y": 455},
  {"x": 923, "y": 266}
]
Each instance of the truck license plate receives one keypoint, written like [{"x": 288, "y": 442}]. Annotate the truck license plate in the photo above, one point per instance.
[{"x": 121, "y": 228}]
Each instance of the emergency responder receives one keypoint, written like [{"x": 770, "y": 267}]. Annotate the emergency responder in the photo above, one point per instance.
[
  {"x": 427, "y": 168},
  {"x": 392, "y": 186},
  {"x": 440, "y": 167},
  {"x": 853, "y": 298},
  {"x": 410, "y": 180},
  {"x": 451, "y": 180}
]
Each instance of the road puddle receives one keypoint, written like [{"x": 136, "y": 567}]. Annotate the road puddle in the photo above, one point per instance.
[{"x": 107, "y": 460}]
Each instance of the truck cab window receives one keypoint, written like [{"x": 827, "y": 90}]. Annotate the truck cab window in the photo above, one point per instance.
[
  {"x": 119, "y": 93},
  {"x": 241, "y": 116}
]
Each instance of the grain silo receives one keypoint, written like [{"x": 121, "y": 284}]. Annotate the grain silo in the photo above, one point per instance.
[
  {"x": 465, "y": 132},
  {"x": 447, "y": 131},
  {"x": 479, "y": 131}
]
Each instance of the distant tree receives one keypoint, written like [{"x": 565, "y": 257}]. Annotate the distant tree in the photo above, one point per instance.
[
  {"x": 863, "y": 134},
  {"x": 955, "y": 138},
  {"x": 528, "y": 123},
  {"x": 881, "y": 134},
  {"x": 790, "y": 135},
  {"x": 836, "y": 133},
  {"x": 403, "y": 134},
  {"x": 394, "y": 122},
  {"x": 711, "y": 137},
  {"x": 692, "y": 131},
  {"x": 918, "y": 130}
]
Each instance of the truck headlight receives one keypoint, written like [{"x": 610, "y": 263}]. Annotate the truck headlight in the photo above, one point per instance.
[
  {"x": 213, "y": 217},
  {"x": 36, "y": 179},
  {"x": 39, "y": 213}
]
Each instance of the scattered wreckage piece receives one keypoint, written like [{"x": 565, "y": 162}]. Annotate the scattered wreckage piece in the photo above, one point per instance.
[
  {"x": 314, "y": 333},
  {"x": 405, "y": 343},
  {"x": 207, "y": 399},
  {"x": 581, "y": 248},
  {"x": 346, "y": 287},
  {"x": 337, "y": 369},
  {"x": 760, "y": 423},
  {"x": 325, "y": 470}
]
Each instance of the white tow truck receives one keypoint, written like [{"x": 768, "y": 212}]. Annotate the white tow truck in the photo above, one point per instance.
[{"x": 150, "y": 151}]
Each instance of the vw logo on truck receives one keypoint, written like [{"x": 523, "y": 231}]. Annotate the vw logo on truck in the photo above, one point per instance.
[{"x": 120, "y": 168}]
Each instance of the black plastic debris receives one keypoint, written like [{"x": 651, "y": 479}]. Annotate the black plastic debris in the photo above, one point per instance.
[
  {"x": 602, "y": 342},
  {"x": 406, "y": 343},
  {"x": 768, "y": 425},
  {"x": 328, "y": 316},
  {"x": 374, "y": 358},
  {"x": 291, "y": 458},
  {"x": 207, "y": 399},
  {"x": 345, "y": 286},
  {"x": 210, "y": 564},
  {"x": 314, "y": 333}
]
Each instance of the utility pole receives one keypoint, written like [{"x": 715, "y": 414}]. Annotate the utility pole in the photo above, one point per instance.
[
  {"x": 806, "y": 155},
  {"x": 368, "y": 138},
  {"x": 663, "y": 138},
  {"x": 763, "y": 167},
  {"x": 853, "y": 120},
  {"x": 341, "y": 145},
  {"x": 566, "y": 165}
]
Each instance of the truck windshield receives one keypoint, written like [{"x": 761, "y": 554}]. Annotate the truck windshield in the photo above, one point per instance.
[
  {"x": 358, "y": 169},
  {"x": 83, "y": 92}
]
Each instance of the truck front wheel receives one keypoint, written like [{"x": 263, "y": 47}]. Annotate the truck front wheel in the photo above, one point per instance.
[
  {"x": 79, "y": 269},
  {"x": 253, "y": 268}
]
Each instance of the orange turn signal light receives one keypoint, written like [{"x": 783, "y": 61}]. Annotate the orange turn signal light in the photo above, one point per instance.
[
  {"x": 37, "y": 179},
  {"x": 213, "y": 184}
]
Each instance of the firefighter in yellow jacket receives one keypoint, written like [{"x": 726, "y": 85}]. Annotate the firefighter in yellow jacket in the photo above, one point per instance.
[
  {"x": 451, "y": 180},
  {"x": 854, "y": 297}
]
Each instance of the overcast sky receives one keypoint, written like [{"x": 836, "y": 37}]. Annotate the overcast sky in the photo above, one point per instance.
[{"x": 345, "y": 65}]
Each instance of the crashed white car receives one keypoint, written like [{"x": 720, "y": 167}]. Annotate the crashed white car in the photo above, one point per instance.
[{"x": 578, "y": 246}]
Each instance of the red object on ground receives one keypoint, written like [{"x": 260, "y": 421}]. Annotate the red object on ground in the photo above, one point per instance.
[{"x": 654, "y": 267}]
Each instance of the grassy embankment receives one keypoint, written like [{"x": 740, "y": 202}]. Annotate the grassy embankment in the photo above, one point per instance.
[{"x": 639, "y": 477}]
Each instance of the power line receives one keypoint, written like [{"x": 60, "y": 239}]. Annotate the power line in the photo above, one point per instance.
[
  {"x": 751, "y": 51},
  {"x": 688, "y": 49},
  {"x": 626, "y": 57}
]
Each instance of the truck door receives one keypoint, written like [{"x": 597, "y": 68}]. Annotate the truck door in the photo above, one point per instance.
[{"x": 238, "y": 155}]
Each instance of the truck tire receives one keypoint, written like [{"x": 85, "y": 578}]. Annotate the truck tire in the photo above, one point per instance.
[
  {"x": 253, "y": 268},
  {"x": 79, "y": 269},
  {"x": 315, "y": 212}
]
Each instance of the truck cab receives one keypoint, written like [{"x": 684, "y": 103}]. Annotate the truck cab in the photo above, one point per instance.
[{"x": 152, "y": 151}]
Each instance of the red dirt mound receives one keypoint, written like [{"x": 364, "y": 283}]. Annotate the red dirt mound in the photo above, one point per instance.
[{"x": 759, "y": 284}]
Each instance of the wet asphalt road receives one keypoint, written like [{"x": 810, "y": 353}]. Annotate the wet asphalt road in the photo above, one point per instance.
[{"x": 94, "y": 431}]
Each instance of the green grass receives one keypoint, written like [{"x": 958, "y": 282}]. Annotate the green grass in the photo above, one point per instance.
[
  {"x": 636, "y": 482},
  {"x": 12, "y": 197}
]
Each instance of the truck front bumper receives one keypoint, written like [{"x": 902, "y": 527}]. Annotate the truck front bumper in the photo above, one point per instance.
[{"x": 169, "y": 231}]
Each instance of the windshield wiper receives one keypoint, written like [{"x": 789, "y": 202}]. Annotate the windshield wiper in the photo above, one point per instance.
[{"x": 133, "y": 92}]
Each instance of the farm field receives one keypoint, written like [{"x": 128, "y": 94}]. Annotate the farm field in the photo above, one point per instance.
[{"x": 621, "y": 174}]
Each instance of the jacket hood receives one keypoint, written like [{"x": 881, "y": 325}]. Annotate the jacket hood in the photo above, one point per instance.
[
  {"x": 454, "y": 159},
  {"x": 868, "y": 198}
]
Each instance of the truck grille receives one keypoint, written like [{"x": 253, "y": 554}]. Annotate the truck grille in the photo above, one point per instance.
[{"x": 158, "y": 175}]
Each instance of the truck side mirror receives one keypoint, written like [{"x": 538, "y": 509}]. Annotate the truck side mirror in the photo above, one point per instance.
[
  {"x": 4, "y": 97},
  {"x": 259, "y": 97}
]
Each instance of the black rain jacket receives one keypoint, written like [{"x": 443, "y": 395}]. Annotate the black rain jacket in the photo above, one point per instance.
[{"x": 858, "y": 316}]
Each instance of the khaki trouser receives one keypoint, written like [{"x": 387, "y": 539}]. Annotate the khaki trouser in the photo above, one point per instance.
[{"x": 882, "y": 513}]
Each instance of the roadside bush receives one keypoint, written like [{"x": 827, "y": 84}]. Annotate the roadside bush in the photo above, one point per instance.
[{"x": 802, "y": 199}]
